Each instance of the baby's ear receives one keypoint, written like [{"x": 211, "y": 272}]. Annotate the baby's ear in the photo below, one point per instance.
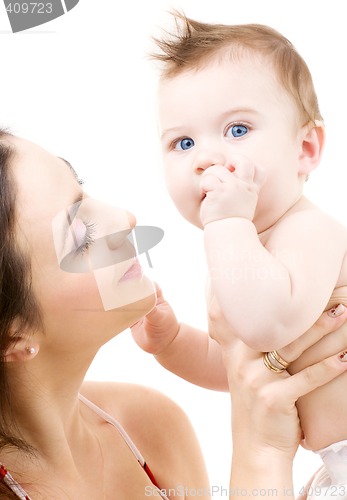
[{"x": 312, "y": 144}]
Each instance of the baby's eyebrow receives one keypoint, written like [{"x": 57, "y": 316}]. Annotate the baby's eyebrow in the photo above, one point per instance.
[
  {"x": 229, "y": 112},
  {"x": 170, "y": 130},
  {"x": 239, "y": 110}
]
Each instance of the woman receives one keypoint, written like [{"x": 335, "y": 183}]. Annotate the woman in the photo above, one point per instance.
[{"x": 58, "y": 306}]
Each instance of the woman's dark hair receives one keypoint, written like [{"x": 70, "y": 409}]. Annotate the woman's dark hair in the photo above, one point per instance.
[{"x": 17, "y": 302}]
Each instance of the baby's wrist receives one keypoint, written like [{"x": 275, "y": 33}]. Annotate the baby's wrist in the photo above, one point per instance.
[
  {"x": 235, "y": 221},
  {"x": 169, "y": 346}
]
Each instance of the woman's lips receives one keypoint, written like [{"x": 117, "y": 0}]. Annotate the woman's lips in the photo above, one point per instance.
[{"x": 134, "y": 272}]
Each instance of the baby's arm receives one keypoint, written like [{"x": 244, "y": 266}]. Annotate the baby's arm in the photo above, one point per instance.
[
  {"x": 270, "y": 295},
  {"x": 186, "y": 351},
  {"x": 194, "y": 356}
]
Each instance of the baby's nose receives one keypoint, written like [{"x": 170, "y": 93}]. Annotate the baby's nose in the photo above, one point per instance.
[{"x": 206, "y": 159}]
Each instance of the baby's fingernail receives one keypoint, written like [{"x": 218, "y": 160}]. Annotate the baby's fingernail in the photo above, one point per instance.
[
  {"x": 343, "y": 356},
  {"x": 336, "y": 311}
]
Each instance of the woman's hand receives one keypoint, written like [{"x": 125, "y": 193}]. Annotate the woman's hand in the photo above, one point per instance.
[
  {"x": 265, "y": 423},
  {"x": 267, "y": 399}
]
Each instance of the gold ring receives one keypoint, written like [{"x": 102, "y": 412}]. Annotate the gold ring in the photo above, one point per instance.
[
  {"x": 274, "y": 362},
  {"x": 280, "y": 360}
]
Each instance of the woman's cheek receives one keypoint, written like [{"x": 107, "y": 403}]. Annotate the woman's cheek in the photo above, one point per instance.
[{"x": 75, "y": 292}]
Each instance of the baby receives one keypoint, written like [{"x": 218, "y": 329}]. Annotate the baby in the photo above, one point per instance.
[{"x": 241, "y": 131}]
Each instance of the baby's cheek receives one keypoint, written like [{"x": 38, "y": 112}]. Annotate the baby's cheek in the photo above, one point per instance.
[
  {"x": 175, "y": 191},
  {"x": 183, "y": 205}
]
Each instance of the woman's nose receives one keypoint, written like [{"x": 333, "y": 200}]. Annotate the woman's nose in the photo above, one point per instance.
[
  {"x": 132, "y": 219},
  {"x": 117, "y": 235}
]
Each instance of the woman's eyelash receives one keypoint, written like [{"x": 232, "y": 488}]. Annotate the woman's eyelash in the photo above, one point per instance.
[{"x": 88, "y": 238}]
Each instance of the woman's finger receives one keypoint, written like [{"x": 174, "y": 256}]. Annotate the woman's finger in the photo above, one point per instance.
[
  {"x": 328, "y": 322},
  {"x": 314, "y": 376}
]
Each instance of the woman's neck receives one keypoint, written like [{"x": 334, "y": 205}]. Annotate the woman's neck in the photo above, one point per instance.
[{"x": 45, "y": 404}]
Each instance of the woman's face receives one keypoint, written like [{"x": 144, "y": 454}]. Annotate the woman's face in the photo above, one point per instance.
[{"x": 85, "y": 275}]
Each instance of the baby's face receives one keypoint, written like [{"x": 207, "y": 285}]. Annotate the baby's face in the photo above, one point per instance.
[{"x": 230, "y": 108}]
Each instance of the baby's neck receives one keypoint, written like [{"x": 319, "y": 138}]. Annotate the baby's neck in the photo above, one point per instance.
[{"x": 300, "y": 204}]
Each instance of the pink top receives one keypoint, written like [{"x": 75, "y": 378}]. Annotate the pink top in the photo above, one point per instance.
[{"x": 6, "y": 477}]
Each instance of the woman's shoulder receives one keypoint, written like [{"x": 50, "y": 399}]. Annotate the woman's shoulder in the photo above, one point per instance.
[
  {"x": 145, "y": 413},
  {"x": 127, "y": 401},
  {"x": 158, "y": 427}
]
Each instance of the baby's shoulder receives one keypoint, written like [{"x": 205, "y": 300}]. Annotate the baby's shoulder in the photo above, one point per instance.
[{"x": 310, "y": 223}]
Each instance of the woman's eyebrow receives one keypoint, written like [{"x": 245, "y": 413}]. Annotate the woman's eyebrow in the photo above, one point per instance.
[
  {"x": 80, "y": 182},
  {"x": 72, "y": 210},
  {"x": 70, "y": 214}
]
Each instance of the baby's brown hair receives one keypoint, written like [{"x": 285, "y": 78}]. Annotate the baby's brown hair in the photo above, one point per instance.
[{"x": 195, "y": 43}]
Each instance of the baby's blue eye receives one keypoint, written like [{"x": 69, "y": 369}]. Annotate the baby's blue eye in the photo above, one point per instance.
[
  {"x": 237, "y": 130},
  {"x": 184, "y": 144}
]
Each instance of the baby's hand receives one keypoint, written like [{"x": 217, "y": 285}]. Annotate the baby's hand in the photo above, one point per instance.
[
  {"x": 231, "y": 190},
  {"x": 154, "y": 332}
]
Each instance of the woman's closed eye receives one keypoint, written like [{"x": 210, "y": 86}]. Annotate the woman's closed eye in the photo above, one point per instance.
[
  {"x": 235, "y": 130},
  {"x": 83, "y": 234}
]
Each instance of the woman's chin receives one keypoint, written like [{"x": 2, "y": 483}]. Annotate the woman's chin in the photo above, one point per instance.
[
  {"x": 144, "y": 305},
  {"x": 140, "y": 303},
  {"x": 131, "y": 313},
  {"x": 123, "y": 294}
]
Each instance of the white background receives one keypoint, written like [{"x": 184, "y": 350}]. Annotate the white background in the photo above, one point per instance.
[{"x": 83, "y": 87}]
